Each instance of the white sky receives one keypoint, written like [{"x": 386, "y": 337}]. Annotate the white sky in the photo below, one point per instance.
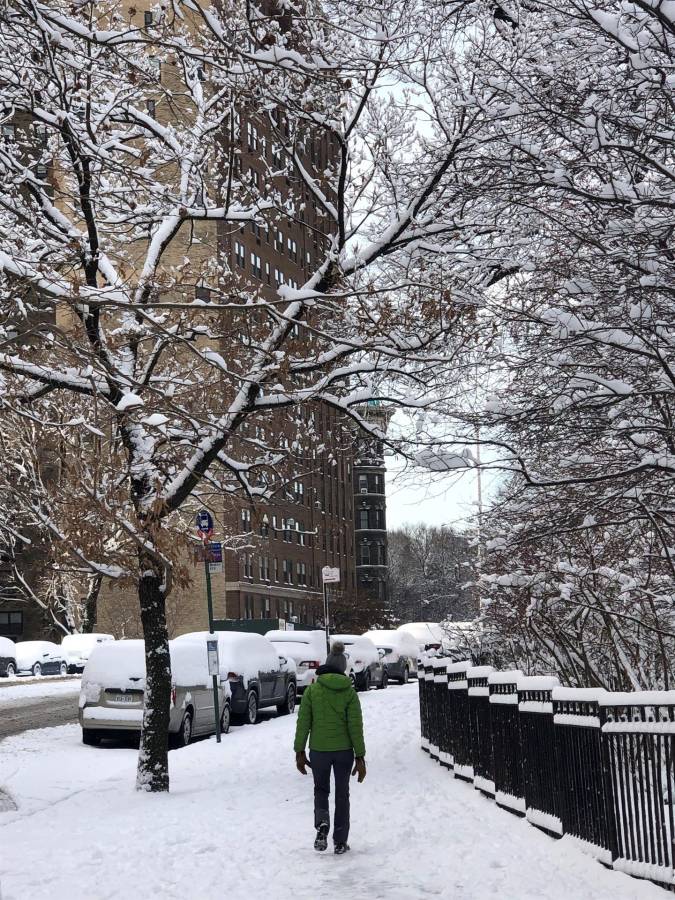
[{"x": 416, "y": 497}]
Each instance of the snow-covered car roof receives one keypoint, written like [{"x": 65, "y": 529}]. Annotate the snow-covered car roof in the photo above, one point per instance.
[
  {"x": 84, "y": 641},
  {"x": 7, "y": 647},
  {"x": 122, "y": 664},
  {"x": 241, "y": 652}
]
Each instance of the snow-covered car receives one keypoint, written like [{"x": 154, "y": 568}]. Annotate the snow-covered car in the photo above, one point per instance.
[
  {"x": 77, "y": 647},
  {"x": 113, "y": 691},
  {"x": 7, "y": 657},
  {"x": 364, "y": 661},
  {"x": 306, "y": 648},
  {"x": 258, "y": 678},
  {"x": 428, "y": 635},
  {"x": 400, "y": 651},
  {"x": 39, "y": 658}
]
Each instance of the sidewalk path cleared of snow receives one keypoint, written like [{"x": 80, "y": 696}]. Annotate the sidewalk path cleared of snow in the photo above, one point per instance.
[{"x": 238, "y": 825}]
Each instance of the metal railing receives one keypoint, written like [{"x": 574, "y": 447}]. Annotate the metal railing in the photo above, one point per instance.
[{"x": 594, "y": 766}]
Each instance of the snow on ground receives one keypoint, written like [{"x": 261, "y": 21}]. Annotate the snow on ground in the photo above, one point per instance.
[
  {"x": 14, "y": 691},
  {"x": 238, "y": 824}
]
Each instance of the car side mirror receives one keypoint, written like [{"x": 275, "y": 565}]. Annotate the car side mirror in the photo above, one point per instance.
[
  {"x": 283, "y": 660},
  {"x": 381, "y": 653}
]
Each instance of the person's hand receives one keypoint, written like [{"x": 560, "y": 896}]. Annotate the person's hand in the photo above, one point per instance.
[
  {"x": 360, "y": 768},
  {"x": 301, "y": 762}
]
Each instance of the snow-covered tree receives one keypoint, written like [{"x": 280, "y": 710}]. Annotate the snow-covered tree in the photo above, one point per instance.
[{"x": 120, "y": 181}]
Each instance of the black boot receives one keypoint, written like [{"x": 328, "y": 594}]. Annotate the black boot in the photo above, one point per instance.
[
  {"x": 321, "y": 841},
  {"x": 341, "y": 847}
]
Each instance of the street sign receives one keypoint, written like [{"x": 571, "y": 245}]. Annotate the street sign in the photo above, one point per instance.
[
  {"x": 204, "y": 523},
  {"x": 212, "y": 656},
  {"x": 330, "y": 575},
  {"x": 215, "y": 557}
]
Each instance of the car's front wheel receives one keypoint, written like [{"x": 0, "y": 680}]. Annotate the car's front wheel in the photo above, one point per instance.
[
  {"x": 11, "y": 670},
  {"x": 90, "y": 737},
  {"x": 385, "y": 681},
  {"x": 365, "y": 683},
  {"x": 63, "y": 669},
  {"x": 288, "y": 705},
  {"x": 37, "y": 670},
  {"x": 406, "y": 676}
]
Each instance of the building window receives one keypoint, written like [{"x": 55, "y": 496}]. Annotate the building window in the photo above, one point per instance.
[
  {"x": 276, "y": 569},
  {"x": 254, "y": 178},
  {"x": 256, "y": 265},
  {"x": 301, "y": 571},
  {"x": 302, "y": 534},
  {"x": 288, "y": 571},
  {"x": 7, "y": 132},
  {"x": 279, "y": 241},
  {"x": 148, "y": 18},
  {"x": 363, "y": 484},
  {"x": 252, "y": 137},
  {"x": 246, "y": 520},
  {"x": 248, "y": 565},
  {"x": 287, "y": 528},
  {"x": 292, "y": 247},
  {"x": 363, "y": 518},
  {"x": 267, "y": 272},
  {"x": 11, "y": 623},
  {"x": 364, "y": 555},
  {"x": 240, "y": 254},
  {"x": 151, "y": 108},
  {"x": 278, "y": 277}
]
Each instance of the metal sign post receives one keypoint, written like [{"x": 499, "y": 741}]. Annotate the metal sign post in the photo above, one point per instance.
[
  {"x": 205, "y": 530},
  {"x": 328, "y": 576}
]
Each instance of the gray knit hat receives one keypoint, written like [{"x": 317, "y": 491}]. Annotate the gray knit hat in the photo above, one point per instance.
[{"x": 336, "y": 658}]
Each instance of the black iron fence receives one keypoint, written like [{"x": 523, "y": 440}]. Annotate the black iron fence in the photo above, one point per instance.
[{"x": 591, "y": 765}]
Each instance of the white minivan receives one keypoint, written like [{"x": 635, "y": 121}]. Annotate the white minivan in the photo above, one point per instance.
[
  {"x": 113, "y": 692},
  {"x": 306, "y": 648}
]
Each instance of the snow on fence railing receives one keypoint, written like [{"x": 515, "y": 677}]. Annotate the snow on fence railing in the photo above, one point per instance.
[{"x": 594, "y": 766}]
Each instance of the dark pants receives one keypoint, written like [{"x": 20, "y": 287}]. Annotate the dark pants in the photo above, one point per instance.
[{"x": 341, "y": 762}]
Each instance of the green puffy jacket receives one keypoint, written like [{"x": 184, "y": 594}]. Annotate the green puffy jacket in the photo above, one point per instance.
[{"x": 330, "y": 715}]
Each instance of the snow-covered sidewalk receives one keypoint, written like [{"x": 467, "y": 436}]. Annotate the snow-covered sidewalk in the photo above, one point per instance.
[{"x": 238, "y": 824}]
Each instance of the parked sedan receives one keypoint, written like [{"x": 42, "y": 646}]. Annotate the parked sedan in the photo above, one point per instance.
[
  {"x": 307, "y": 648},
  {"x": 40, "y": 658},
  {"x": 77, "y": 647},
  {"x": 7, "y": 657},
  {"x": 257, "y": 675},
  {"x": 400, "y": 651},
  {"x": 113, "y": 693},
  {"x": 364, "y": 661}
]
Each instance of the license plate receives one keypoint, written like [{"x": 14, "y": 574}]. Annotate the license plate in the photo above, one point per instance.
[{"x": 124, "y": 698}]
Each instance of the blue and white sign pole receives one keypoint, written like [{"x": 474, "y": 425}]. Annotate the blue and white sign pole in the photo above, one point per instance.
[{"x": 204, "y": 522}]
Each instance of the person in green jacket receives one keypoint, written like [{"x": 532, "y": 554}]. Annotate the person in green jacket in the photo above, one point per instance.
[{"x": 330, "y": 716}]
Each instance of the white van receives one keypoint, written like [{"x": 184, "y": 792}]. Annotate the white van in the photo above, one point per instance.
[{"x": 306, "y": 648}]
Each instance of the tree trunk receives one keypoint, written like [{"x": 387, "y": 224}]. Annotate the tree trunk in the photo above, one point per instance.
[
  {"x": 153, "y": 758},
  {"x": 90, "y": 617}
]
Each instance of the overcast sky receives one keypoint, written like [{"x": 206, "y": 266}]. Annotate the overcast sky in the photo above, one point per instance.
[{"x": 447, "y": 500}]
